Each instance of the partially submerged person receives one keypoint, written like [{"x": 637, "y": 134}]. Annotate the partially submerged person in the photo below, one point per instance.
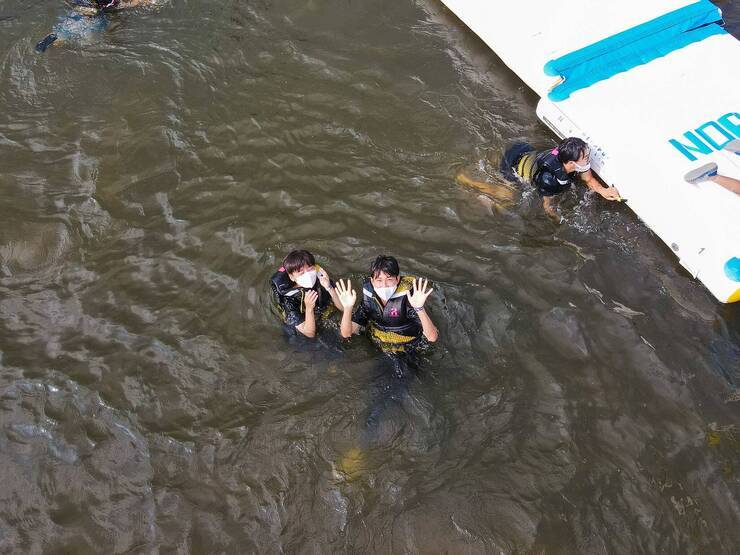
[
  {"x": 304, "y": 293},
  {"x": 392, "y": 307},
  {"x": 87, "y": 17},
  {"x": 553, "y": 171}
]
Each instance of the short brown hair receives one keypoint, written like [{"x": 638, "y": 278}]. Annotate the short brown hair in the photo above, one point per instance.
[{"x": 297, "y": 260}]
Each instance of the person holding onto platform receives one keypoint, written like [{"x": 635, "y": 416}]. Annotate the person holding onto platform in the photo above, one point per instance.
[
  {"x": 304, "y": 293},
  {"x": 551, "y": 172}
]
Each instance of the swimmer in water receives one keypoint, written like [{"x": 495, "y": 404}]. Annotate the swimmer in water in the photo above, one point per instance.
[
  {"x": 87, "y": 17},
  {"x": 551, "y": 172},
  {"x": 392, "y": 307},
  {"x": 304, "y": 293},
  {"x": 554, "y": 171}
]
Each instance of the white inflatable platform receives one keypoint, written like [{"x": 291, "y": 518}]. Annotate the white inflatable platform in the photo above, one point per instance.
[{"x": 654, "y": 88}]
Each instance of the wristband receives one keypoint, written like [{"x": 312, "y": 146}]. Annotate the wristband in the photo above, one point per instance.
[{"x": 420, "y": 309}]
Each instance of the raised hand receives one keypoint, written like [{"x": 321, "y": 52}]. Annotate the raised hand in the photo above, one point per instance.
[
  {"x": 310, "y": 300},
  {"x": 324, "y": 279},
  {"x": 419, "y": 293},
  {"x": 347, "y": 295}
]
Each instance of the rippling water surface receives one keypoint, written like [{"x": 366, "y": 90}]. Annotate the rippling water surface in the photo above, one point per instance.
[{"x": 584, "y": 394}]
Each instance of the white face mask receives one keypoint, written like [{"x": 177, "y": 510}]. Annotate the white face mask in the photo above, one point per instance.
[
  {"x": 385, "y": 293},
  {"x": 306, "y": 279},
  {"x": 581, "y": 169}
]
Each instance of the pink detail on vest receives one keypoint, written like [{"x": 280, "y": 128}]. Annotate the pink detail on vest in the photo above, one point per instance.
[
  {"x": 393, "y": 312},
  {"x": 555, "y": 151},
  {"x": 282, "y": 269}
]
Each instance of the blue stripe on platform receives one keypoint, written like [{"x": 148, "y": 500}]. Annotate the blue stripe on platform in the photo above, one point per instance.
[{"x": 636, "y": 46}]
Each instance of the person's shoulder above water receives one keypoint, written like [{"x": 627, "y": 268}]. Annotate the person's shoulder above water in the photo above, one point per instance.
[
  {"x": 282, "y": 284},
  {"x": 549, "y": 175},
  {"x": 367, "y": 288},
  {"x": 405, "y": 284},
  {"x": 304, "y": 292},
  {"x": 387, "y": 297}
]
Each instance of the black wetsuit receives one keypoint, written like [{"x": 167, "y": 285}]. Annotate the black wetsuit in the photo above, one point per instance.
[
  {"x": 289, "y": 299},
  {"x": 542, "y": 170},
  {"x": 395, "y": 325}
]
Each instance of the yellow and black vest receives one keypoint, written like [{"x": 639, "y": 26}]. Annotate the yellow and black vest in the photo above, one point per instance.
[
  {"x": 545, "y": 172},
  {"x": 394, "y": 324},
  {"x": 289, "y": 299}
]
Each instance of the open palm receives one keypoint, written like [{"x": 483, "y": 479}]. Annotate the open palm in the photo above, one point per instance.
[
  {"x": 347, "y": 295},
  {"x": 419, "y": 292}
]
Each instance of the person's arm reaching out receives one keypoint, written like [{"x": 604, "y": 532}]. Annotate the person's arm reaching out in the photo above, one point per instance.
[
  {"x": 609, "y": 193},
  {"x": 417, "y": 297}
]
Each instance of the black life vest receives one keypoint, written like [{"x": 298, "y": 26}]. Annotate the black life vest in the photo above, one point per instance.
[
  {"x": 545, "y": 172},
  {"x": 396, "y": 323},
  {"x": 289, "y": 298},
  {"x": 549, "y": 175}
]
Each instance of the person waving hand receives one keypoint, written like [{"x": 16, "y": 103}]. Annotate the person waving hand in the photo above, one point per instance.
[{"x": 391, "y": 307}]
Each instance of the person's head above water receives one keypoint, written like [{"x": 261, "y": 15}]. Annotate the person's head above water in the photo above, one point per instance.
[
  {"x": 385, "y": 276},
  {"x": 574, "y": 154},
  {"x": 301, "y": 268}
]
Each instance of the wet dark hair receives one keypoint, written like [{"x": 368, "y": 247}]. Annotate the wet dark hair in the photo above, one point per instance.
[
  {"x": 571, "y": 149},
  {"x": 386, "y": 264},
  {"x": 297, "y": 260}
]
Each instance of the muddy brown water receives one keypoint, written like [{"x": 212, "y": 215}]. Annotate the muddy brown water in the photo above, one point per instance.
[{"x": 583, "y": 397}]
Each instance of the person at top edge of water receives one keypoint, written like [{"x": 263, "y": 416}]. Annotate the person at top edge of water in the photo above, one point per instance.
[
  {"x": 304, "y": 293},
  {"x": 551, "y": 172},
  {"x": 86, "y": 17},
  {"x": 555, "y": 170},
  {"x": 392, "y": 307}
]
